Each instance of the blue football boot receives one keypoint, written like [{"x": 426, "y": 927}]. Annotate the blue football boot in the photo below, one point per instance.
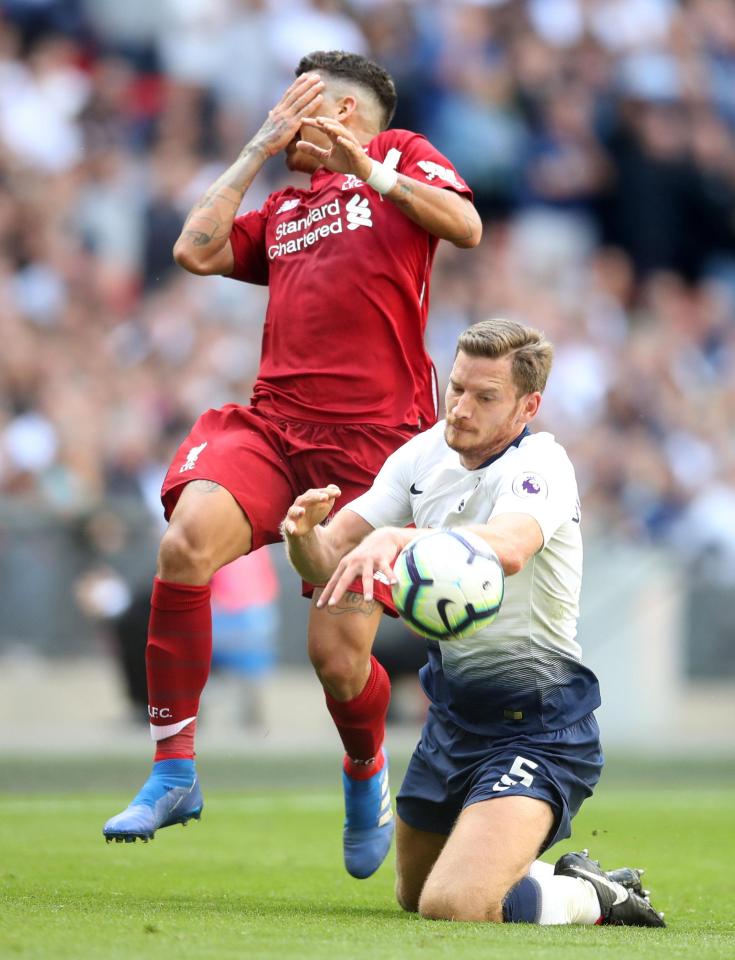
[
  {"x": 170, "y": 795},
  {"x": 369, "y": 823}
]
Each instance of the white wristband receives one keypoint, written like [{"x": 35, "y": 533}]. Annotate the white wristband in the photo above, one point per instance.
[{"x": 382, "y": 178}]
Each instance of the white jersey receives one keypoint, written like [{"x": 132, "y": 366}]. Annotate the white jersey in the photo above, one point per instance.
[{"x": 524, "y": 670}]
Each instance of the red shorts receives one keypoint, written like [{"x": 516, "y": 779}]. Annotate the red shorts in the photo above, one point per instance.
[{"x": 266, "y": 461}]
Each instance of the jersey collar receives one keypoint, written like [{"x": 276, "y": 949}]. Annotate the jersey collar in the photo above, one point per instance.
[
  {"x": 321, "y": 173},
  {"x": 514, "y": 443}
]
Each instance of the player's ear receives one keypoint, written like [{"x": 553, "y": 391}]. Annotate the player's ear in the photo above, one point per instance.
[
  {"x": 532, "y": 402},
  {"x": 346, "y": 106}
]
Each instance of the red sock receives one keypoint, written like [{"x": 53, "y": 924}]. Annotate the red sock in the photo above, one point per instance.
[
  {"x": 361, "y": 723},
  {"x": 178, "y": 747},
  {"x": 178, "y": 657},
  {"x": 363, "y": 771}
]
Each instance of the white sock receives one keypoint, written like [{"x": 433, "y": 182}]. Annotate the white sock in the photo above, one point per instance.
[
  {"x": 539, "y": 870},
  {"x": 564, "y": 899}
]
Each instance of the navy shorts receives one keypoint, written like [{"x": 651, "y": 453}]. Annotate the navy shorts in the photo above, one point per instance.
[{"x": 451, "y": 769}]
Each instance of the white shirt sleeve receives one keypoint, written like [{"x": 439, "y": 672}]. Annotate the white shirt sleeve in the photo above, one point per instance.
[
  {"x": 540, "y": 482},
  {"x": 388, "y": 501}
]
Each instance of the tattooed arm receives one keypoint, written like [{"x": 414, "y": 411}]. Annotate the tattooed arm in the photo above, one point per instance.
[
  {"x": 204, "y": 244},
  {"x": 443, "y": 213}
]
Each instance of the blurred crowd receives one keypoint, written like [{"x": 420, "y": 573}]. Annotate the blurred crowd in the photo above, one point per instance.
[{"x": 598, "y": 135}]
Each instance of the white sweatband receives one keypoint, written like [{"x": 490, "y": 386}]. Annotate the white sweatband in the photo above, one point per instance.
[{"x": 382, "y": 178}]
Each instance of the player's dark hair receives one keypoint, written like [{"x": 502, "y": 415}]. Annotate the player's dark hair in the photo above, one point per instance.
[
  {"x": 531, "y": 351},
  {"x": 356, "y": 69}
]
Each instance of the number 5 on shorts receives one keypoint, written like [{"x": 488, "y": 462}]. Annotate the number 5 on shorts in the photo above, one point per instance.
[{"x": 518, "y": 774}]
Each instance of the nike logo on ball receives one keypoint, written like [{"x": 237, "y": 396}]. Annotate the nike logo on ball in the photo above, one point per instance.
[
  {"x": 442, "y": 611},
  {"x": 412, "y": 489}
]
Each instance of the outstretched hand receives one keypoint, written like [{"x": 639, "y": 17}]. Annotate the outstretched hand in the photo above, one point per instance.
[
  {"x": 374, "y": 556},
  {"x": 346, "y": 154},
  {"x": 308, "y": 510}
]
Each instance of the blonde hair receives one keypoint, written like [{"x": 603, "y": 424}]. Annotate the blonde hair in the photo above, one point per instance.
[{"x": 531, "y": 352}]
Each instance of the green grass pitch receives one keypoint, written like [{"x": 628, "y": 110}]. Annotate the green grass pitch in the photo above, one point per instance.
[{"x": 261, "y": 874}]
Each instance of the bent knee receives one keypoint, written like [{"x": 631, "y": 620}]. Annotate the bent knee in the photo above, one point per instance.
[
  {"x": 460, "y": 905},
  {"x": 407, "y": 900},
  {"x": 334, "y": 666},
  {"x": 340, "y": 655},
  {"x": 185, "y": 556}
]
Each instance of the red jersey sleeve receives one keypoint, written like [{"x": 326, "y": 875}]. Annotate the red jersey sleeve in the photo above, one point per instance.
[
  {"x": 419, "y": 159},
  {"x": 248, "y": 243}
]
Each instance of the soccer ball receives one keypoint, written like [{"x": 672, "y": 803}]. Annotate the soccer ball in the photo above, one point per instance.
[{"x": 449, "y": 584}]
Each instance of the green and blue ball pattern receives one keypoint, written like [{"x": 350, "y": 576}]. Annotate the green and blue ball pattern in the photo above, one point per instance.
[{"x": 449, "y": 584}]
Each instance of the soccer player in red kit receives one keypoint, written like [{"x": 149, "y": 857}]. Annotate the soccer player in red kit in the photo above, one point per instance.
[{"x": 344, "y": 379}]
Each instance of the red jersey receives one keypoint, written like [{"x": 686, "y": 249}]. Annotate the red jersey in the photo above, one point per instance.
[{"x": 348, "y": 274}]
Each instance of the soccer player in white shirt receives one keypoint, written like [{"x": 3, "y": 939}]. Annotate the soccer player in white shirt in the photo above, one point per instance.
[{"x": 510, "y": 748}]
